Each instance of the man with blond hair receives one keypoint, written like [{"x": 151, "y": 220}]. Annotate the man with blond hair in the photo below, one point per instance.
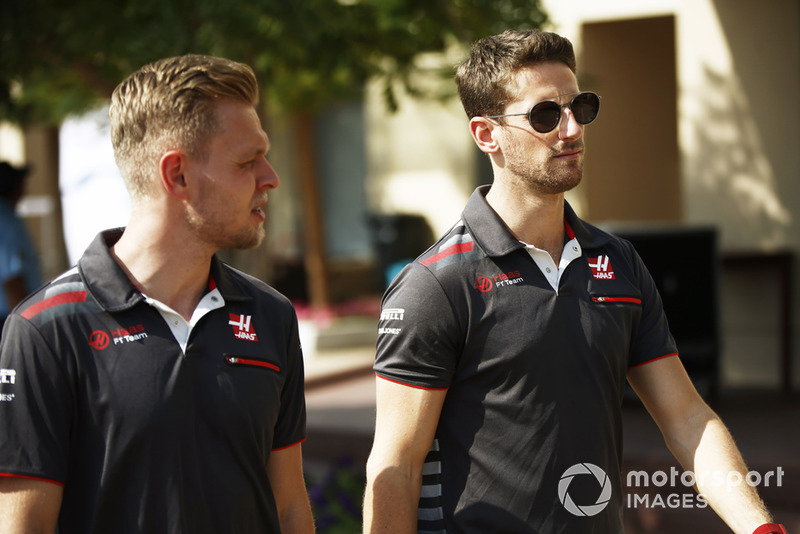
[
  {"x": 505, "y": 348},
  {"x": 152, "y": 388}
]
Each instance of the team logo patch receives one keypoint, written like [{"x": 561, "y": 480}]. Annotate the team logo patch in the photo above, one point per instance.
[
  {"x": 601, "y": 268},
  {"x": 484, "y": 284},
  {"x": 99, "y": 339},
  {"x": 242, "y": 329}
]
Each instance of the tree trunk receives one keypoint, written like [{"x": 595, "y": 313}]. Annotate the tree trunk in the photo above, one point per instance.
[
  {"x": 315, "y": 256},
  {"x": 47, "y": 227}
]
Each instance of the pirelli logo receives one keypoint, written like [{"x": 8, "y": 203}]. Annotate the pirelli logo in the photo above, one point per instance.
[
  {"x": 8, "y": 376},
  {"x": 392, "y": 314}
]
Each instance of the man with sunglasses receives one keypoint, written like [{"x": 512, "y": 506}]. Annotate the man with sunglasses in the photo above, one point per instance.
[{"x": 504, "y": 350}]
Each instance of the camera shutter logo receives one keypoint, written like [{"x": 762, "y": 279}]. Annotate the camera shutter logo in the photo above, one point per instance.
[{"x": 602, "y": 499}]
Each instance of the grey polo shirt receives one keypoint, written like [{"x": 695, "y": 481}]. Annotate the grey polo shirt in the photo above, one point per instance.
[
  {"x": 144, "y": 437},
  {"x": 534, "y": 376}
]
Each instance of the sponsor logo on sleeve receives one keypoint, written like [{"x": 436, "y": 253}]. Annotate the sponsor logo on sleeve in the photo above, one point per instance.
[
  {"x": 391, "y": 314},
  {"x": 7, "y": 376}
]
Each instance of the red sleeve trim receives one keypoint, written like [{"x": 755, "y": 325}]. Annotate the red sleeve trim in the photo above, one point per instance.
[
  {"x": 654, "y": 359},
  {"x": 289, "y": 446},
  {"x": 410, "y": 385},
  {"x": 12, "y": 475}
]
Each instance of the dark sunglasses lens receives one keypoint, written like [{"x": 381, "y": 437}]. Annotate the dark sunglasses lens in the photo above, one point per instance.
[
  {"x": 585, "y": 107},
  {"x": 544, "y": 116}
]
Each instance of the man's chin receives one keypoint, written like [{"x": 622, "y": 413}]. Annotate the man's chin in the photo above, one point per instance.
[{"x": 246, "y": 241}]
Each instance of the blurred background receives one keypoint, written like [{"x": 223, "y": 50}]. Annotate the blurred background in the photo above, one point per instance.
[{"x": 694, "y": 157}]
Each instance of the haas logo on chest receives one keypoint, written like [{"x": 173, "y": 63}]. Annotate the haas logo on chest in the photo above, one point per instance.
[
  {"x": 601, "y": 268},
  {"x": 242, "y": 328}
]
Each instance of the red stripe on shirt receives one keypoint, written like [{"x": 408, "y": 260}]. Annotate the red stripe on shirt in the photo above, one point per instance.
[
  {"x": 12, "y": 475},
  {"x": 289, "y": 446},
  {"x": 568, "y": 229},
  {"x": 410, "y": 385},
  {"x": 63, "y": 298},
  {"x": 458, "y": 248},
  {"x": 653, "y": 360}
]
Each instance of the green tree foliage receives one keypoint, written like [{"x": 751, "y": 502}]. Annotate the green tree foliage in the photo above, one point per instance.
[{"x": 59, "y": 57}]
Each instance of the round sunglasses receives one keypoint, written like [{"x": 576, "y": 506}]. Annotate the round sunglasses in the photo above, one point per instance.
[{"x": 545, "y": 116}]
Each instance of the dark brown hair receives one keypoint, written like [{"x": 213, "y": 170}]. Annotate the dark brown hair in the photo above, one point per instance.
[{"x": 484, "y": 80}]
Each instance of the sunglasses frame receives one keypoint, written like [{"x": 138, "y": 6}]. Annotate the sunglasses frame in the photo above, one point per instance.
[{"x": 529, "y": 113}]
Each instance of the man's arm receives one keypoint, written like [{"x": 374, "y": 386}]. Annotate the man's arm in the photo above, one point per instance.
[
  {"x": 28, "y": 506},
  {"x": 285, "y": 472},
  {"x": 699, "y": 440},
  {"x": 405, "y": 426}
]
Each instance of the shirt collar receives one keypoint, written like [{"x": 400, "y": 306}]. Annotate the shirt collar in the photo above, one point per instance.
[
  {"x": 114, "y": 291},
  {"x": 495, "y": 239}
]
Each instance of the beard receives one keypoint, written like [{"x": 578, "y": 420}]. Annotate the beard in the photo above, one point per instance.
[
  {"x": 213, "y": 227},
  {"x": 550, "y": 176}
]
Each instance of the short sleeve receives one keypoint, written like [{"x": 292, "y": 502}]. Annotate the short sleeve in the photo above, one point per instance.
[
  {"x": 290, "y": 427},
  {"x": 652, "y": 339},
  {"x": 419, "y": 336},
  {"x": 36, "y": 405}
]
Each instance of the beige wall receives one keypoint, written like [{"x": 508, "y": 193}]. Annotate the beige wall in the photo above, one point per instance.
[
  {"x": 721, "y": 152},
  {"x": 420, "y": 160},
  {"x": 737, "y": 136}
]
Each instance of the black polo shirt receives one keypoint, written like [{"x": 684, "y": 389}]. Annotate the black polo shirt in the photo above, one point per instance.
[
  {"x": 97, "y": 396},
  {"x": 531, "y": 423}
]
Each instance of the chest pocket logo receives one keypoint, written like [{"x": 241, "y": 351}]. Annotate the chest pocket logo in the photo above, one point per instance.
[
  {"x": 242, "y": 327},
  {"x": 601, "y": 268}
]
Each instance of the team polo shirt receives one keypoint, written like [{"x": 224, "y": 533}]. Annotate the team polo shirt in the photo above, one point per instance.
[
  {"x": 96, "y": 395},
  {"x": 530, "y": 434}
]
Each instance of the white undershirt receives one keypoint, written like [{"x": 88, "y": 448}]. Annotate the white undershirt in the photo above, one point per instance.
[
  {"x": 571, "y": 251},
  {"x": 177, "y": 324}
]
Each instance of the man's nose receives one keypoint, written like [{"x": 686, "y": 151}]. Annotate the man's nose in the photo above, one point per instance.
[{"x": 569, "y": 127}]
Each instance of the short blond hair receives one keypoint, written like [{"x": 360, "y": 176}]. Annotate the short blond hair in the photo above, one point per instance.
[{"x": 170, "y": 104}]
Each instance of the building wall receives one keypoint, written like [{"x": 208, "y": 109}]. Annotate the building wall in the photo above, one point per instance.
[
  {"x": 723, "y": 155},
  {"x": 737, "y": 131}
]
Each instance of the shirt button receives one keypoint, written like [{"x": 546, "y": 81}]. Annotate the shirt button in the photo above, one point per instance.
[
  {"x": 548, "y": 269},
  {"x": 575, "y": 248}
]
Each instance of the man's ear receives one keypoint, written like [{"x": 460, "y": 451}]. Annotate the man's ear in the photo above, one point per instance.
[
  {"x": 483, "y": 132},
  {"x": 172, "y": 167}
]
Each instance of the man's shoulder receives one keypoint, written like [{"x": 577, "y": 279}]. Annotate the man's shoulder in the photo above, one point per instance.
[
  {"x": 251, "y": 286},
  {"x": 455, "y": 248}
]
